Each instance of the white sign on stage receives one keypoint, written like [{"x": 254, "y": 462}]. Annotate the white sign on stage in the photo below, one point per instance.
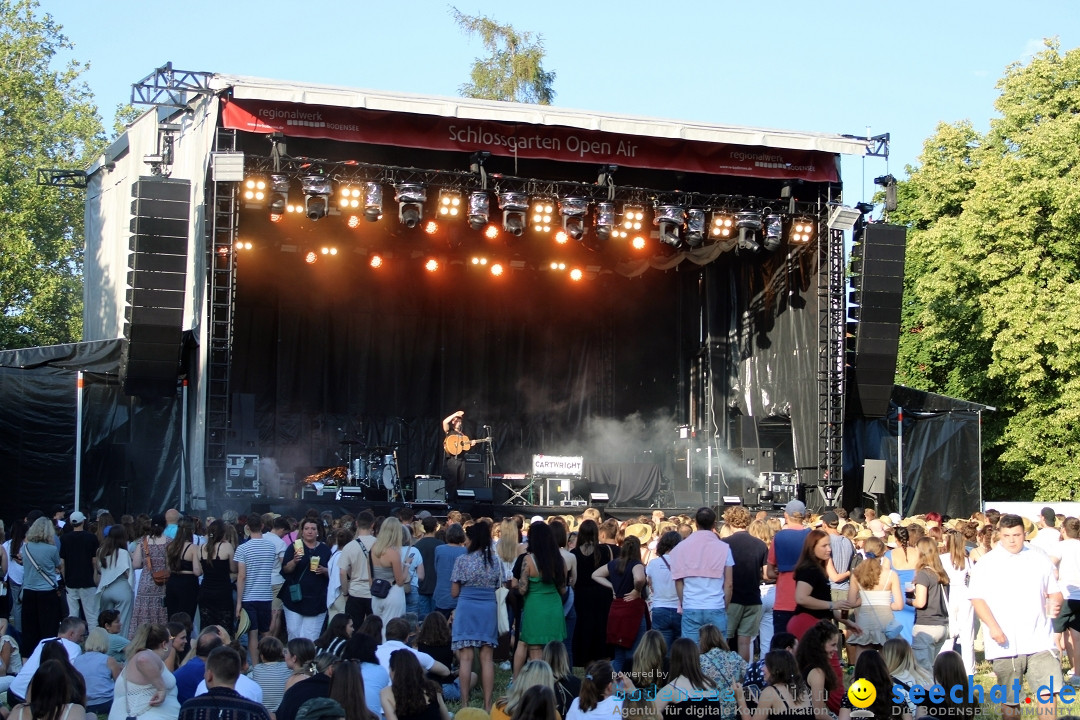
[{"x": 545, "y": 465}]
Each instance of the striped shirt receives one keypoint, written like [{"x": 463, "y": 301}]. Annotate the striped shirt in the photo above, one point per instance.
[{"x": 257, "y": 555}]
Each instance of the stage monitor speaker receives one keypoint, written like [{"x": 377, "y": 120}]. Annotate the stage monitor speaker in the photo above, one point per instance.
[
  {"x": 746, "y": 434},
  {"x": 688, "y": 499},
  {"x": 475, "y": 475},
  {"x": 879, "y": 295},
  {"x": 430, "y": 490},
  {"x": 476, "y": 494},
  {"x": 157, "y": 282},
  {"x": 758, "y": 460},
  {"x": 874, "y": 477}
]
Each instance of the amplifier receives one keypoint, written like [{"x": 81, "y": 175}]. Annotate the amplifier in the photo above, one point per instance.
[{"x": 430, "y": 489}]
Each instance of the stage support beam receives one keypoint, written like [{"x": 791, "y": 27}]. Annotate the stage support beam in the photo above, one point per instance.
[{"x": 831, "y": 328}]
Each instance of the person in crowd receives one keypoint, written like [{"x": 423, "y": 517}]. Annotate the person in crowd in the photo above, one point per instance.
[
  {"x": 55, "y": 651},
  {"x": 275, "y": 529},
  {"x": 71, "y": 633},
  {"x": 842, "y": 552},
  {"x": 602, "y": 693},
  {"x": 354, "y": 569},
  {"x": 766, "y": 590},
  {"x": 116, "y": 584},
  {"x": 819, "y": 661},
  {"x": 625, "y": 578},
  {"x": 413, "y": 562},
  {"x": 426, "y": 545},
  {"x": 303, "y": 593},
  {"x": 784, "y": 554},
  {"x": 542, "y": 583},
  {"x": 903, "y": 670},
  {"x": 272, "y": 673},
  {"x": 387, "y": 557},
  {"x": 931, "y": 602},
  {"x": 567, "y": 684},
  {"x": 337, "y": 633},
  {"x": 315, "y": 686},
  {"x": 178, "y": 645},
  {"x": 649, "y": 668},
  {"x": 950, "y": 673},
  {"x": 720, "y": 664},
  {"x": 1011, "y": 588},
  {"x": 871, "y": 667},
  {"x": 1067, "y": 558},
  {"x": 433, "y": 638},
  {"x": 14, "y": 571},
  {"x": 347, "y": 688},
  {"x": 591, "y": 600},
  {"x": 475, "y": 577},
  {"x": 110, "y": 621},
  {"x": 42, "y": 604},
  {"x": 361, "y": 650},
  {"x": 1049, "y": 531},
  {"x": 559, "y": 532},
  {"x": 961, "y": 621},
  {"x": 903, "y": 558},
  {"x": 245, "y": 686},
  {"x": 182, "y": 557},
  {"x": 51, "y": 692},
  {"x": 78, "y": 551},
  {"x": 875, "y": 593},
  {"x": 445, "y": 557},
  {"x": 373, "y": 628},
  {"x": 687, "y": 686},
  {"x": 223, "y": 668},
  {"x": 300, "y": 654},
  {"x": 702, "y": 566},
  {"x": 537, "y": 703},
  {"x": 397, "y": 635},
  {"x": 662, "y": 593},
  {"x": 785, "y": 695},
  {"x": 534, "y": 673},
  {"x": 754, "y": 680},
  {"x": 193, "y": 671},
  {"x": 216, "y": 588},
  {"x": 99, "y": 671},
  {"x": 10, "y": 657},
  {"x": 751, "y": 558},
  {"x": 146, "y": 689},
  {"x": 411, "y": 695},
  {"x": 984, "y": 538},
  {"x": 149, "y": 556},
  {"x": 813, "y": 595},
  {"x": 253, "y": 563}
]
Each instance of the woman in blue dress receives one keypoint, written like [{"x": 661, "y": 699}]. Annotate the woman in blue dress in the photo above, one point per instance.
[
  {"x": 476, "y": 576},
  {"x": 903, "y": 559}
]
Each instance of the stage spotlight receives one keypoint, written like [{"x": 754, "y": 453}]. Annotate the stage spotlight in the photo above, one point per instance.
[
  {"x": 723, "y": 225},
  {"x": 328, "y": 250},
  {"x": 514, "y": 206},
  {"x": 542, "y": 211},
  {"x": 255, "y": 191},
  {"x": 670, "y": 219},
  {"x": 410, "y": 198},
  {"x": 576, "y": 274},
  {"x": 774, "y": 232},
  {"x": 497, "y": 269},
  {"x": 354, "y": 221},
  {"x": 275, "y": 217},
  {"x": 311, "y": 257},
  {"x": 376, "y": 261},
  {"x": 802, "y": 230},
  {"x": 449, "y": 204},
  {"x": 491, "y": 232},
  {"x": 695, "y": 227},
  {"x": 605, "y": 220},
  {"x": 431, "y": 265},
  {"x": 573, "y": 210},
  {"x": 349, "y": 198},
  {"x": 244, "y": 245},
  {"x": 291, "y": 208},
  {"x": 561, "y": 237},
  {"x": 479, "y": 205},
  {"x": 431, "y": 227},
  {"x": 748, "y": 224},
  {"x": 372, "y": 202},
  {"x": 279, "y": 195},
  {"x": 638, "y": 243},
  {"x": 316, "y": 196},
  {"x": 632, "y": 219}
]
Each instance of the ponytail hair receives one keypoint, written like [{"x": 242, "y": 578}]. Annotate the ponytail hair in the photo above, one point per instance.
[{"x": 598, "y": 676}]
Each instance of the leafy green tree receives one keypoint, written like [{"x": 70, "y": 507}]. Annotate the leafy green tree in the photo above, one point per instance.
[
  {"x": 991, "y": 292},
  {"x": 47, "y": 119},
  {"x": 513, "y": 70}
]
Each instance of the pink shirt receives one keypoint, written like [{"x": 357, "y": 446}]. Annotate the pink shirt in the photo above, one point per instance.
[{"x": 702, "y": 554}]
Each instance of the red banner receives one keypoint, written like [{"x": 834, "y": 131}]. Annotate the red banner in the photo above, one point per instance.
[{"x": 539, "y": 142}]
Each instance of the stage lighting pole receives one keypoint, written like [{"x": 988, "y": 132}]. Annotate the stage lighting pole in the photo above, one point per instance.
[{"x": 78, "y": 439}]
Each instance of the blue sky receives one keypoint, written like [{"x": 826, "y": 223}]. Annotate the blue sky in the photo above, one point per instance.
[{"x": 837, "y": 67}]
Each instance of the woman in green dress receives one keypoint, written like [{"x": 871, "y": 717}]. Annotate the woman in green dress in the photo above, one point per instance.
[{"x": 543, "y": 582}]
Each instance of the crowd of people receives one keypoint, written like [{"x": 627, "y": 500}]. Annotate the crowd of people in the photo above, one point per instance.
[{"x": 372, "y": 618}]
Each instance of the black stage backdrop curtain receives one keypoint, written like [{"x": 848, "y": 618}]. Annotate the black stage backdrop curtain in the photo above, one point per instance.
[{"x": 132, "y": 454}]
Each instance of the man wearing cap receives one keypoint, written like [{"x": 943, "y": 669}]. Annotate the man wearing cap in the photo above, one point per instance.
[
  {"x": 703, "y": 570},
  {"x": 78, "y": 550},
  {"x": 1049, "y": 534},
  {"x": 221, "y": 700},
  {"x": 783, "y": 556},
  {"x": 1010, "y": 589}
]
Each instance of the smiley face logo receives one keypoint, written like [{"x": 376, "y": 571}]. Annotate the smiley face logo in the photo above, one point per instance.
[{"x": 862, "y": 694}]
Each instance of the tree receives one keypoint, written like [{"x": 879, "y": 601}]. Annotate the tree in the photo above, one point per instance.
[
  {"x": 513, "y": 70},
  {"x": 47, "y": 119},
  {"x": 991, "y": 291}
]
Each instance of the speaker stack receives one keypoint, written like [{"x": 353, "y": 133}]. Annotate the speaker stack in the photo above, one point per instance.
[
  {"x": 156, "y": 278},
  {"x": 876, "y": 303}
]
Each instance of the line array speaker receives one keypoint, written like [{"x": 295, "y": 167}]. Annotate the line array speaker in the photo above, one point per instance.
[
  {"x": 874, "y": 339},
  {"x": 156, "y": 279}
]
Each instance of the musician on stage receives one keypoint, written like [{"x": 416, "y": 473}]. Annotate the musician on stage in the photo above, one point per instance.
[{"x": 454, "y": 472}]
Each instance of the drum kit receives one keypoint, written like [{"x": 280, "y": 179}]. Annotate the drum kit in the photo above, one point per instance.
[{"x": 373, "y": 468}]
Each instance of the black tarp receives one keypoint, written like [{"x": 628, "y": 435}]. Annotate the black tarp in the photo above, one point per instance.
[
  {"x": 941, "y": 454},
  {"x": 132, "y": 453}
]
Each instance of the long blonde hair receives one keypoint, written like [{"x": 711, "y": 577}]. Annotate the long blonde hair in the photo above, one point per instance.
[
  {"x": 534, "y": 672},
  {"x": 507, "y": 547},
  {"x": 900, "y": 660},
  {"x": 930, "y": 559},
  {"x": 761, "y": 530},
  {"x": 955, "y": 546},
  {"x": 390, "y": 536}
]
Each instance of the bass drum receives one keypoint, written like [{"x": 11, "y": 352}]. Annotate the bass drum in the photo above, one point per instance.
[{"x": 389, "y": 473}]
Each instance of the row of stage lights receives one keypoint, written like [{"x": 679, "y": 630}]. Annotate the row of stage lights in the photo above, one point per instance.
[{"x": 677, "y": 226}]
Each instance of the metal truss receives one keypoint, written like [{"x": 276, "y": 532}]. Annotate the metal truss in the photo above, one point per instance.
[
  {"x": 169, "y": 87},
  {"x": 831, "y": 329},
  {"x": 58, "y": 177}
]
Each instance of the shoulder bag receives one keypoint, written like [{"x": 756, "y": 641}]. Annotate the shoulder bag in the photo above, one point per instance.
[
  {"x": 160, "y": 576},
  {"x": 296, "y": 594},
  {"x": 379, "y": 588}
]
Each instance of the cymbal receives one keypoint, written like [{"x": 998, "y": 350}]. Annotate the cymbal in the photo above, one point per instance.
[{"x": 352, "y": 442}]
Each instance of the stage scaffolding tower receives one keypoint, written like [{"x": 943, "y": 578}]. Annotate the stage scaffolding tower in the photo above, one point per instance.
[{"x": 831, "y": 330}]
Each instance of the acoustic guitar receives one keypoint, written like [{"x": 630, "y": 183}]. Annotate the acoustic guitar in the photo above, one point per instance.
[{"x": 457, "y": 444}]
